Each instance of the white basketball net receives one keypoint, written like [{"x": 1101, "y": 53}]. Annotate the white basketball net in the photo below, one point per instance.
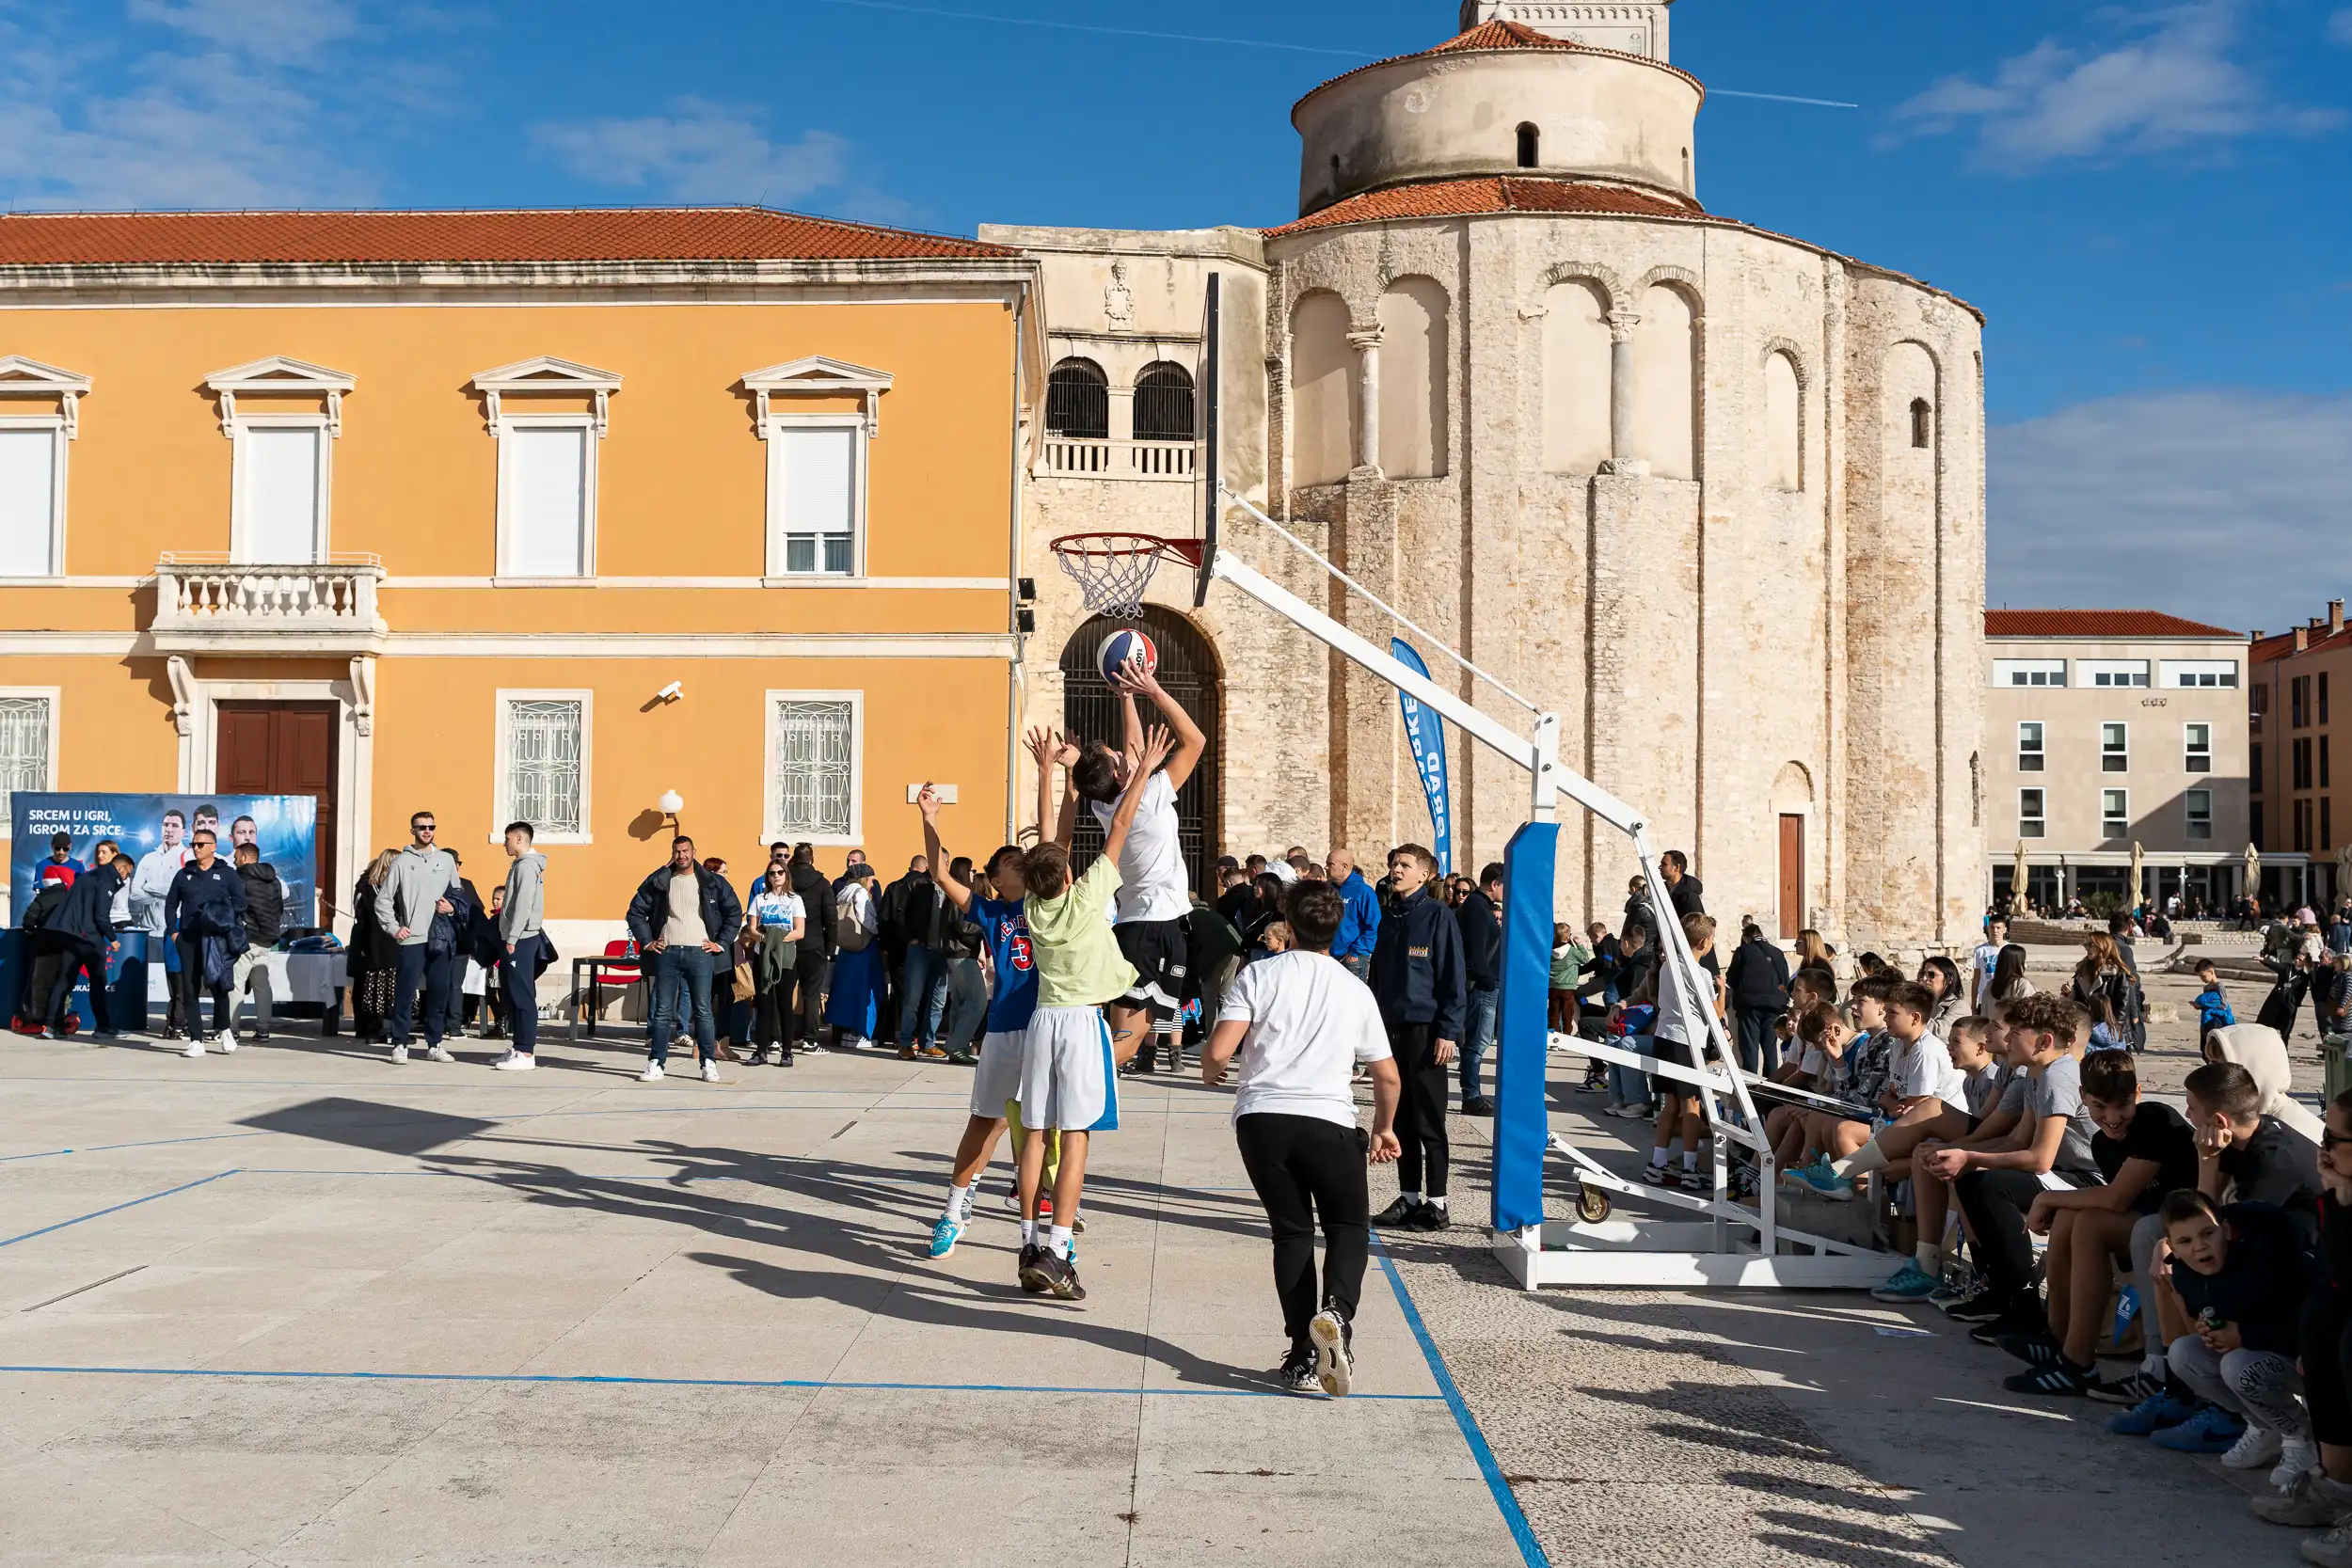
[{"x": 1112, "y": 570}]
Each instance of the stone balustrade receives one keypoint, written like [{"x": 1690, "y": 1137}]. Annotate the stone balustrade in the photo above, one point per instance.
[{"x": 224, "y": 607}]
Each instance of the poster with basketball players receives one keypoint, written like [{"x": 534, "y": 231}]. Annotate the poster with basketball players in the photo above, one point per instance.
[{"x": 153, "y": 832}]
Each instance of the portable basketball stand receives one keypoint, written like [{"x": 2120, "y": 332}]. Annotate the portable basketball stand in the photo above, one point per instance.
[{"x": 1721, "y": 1242}]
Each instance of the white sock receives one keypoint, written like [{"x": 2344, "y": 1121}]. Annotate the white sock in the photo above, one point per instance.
[
  {"x": 1058, "y": 1241},
  {"x": 1862, "y": 1162},
  {"x": 1028, "y": 1232},
  {"x": 2153, "y": 1364},
  {"x": 1928, "y": 1257},
  {"x": 1658, "y": 1159},
  {"x": 959, "y": 1203},
  {"x": 1689, "y": 1159},
  {"x": 1413, "y": 1197},
  {"x": 1438, "y": 1203}
]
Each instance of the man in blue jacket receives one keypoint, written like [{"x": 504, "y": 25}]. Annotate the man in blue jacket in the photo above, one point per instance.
[
  {"x": 205, "y": 914},
  {"x": 1360, "y": 918},
  {"x": 685, "y": 919},
  {"x": 1420, "y": 980}
]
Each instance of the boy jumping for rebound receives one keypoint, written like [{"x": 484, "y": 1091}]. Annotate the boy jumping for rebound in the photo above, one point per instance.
[
  {"x": 1005, "y": 927},
  {"x": 1068, "y": 1078},
  {"x": 1154, "y": 892}
]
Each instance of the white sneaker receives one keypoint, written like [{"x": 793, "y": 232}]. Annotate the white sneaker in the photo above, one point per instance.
[
  {"x": 2258, "y": 1448},
  {"x": 400, "y": 1055},
  {"x": 225, "y": 1040},
  {"x": 653, "y": 1073},
  {"x": 710, "y": 1072},
  {"x": 195, "y": 1047},
  {"x": 503, "y": 1060},
  {"x": 434, "y": 1054},
  {"x": 2297, "y": 1457},
  {"x": 515, "y": 1061}
]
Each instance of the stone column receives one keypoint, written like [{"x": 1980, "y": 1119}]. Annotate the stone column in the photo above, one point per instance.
[
  {"x": 1365, "y": 340},
  {"x": 1621, "y": 460}
]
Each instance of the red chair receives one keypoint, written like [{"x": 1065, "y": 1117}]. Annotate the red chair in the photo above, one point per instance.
[{"x": 621, "y": 967}]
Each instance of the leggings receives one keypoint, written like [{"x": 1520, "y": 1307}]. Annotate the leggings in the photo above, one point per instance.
[
  {"x": 1420, "y": 1110},
  {"x": 1307, "y": 1168},
  {"x": 774, "y": 1018}
]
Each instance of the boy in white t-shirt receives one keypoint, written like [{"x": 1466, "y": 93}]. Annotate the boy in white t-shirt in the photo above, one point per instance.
[
  {"x": 1926, "y": 1096},
  {"x": 1302, "y": 1024}
]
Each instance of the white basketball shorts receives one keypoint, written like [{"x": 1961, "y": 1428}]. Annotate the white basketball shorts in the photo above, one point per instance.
[{"x": 1068, "y": 1084}]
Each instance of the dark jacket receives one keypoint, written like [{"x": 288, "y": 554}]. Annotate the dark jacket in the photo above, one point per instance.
[
  {"x": 905, "y": 911},
  {"x": 2262, "y": 1282},
  {"x": 1760, "y": 976},
  {"x": 815, "y": 895},
  {"x": 1638, "y": 916},
  {"x": 1418, "y": 975},
  {"x": 264, "y": 904},
  {"x": 371, "y": 946},
  {"x": 649, "y": 910},
  {"x": 1481, "y": 939},
  {"x": 204, "y": 903},
  {"x": 1687, "y": 895},
  {"x": 42, "y": 913},
  {"x": 83, "y": 914}
]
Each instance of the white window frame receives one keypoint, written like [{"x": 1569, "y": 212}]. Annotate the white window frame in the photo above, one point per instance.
[
  {"x": 52, "y": 695},
  {"x": 2037, "y": 824},
  {"x": 595, "y": 427},
  {"x": 503, "y": 796},
  {"x": 2205, "y": 675},
  {"x": 241, "y": 425},
  {"x": 2125, "y": 753},
  {"x": 2016, "y": 672},
  {"x": 2039, "y": 751},
  {"x": 775, "y": 575},
  {"x": 2190, "y": 754},
  {"x": 60, "y": 432},
  {"x": 2190, "y": 820},
  {"x": 2121, "y": 674},
  {"x": 2105, "y": 817},
  {"x": 772, "y": 829}
]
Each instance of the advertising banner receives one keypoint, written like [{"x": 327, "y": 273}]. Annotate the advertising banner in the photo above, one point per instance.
[
  {"x": 1425, "y": 732},
  {"x": 153, "y": 831}
]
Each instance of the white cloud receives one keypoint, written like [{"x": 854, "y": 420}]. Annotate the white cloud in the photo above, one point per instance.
[
  {"x": 2170, "y": 84},
  {"x": 704, "y": 152},
  {"x": 2222, "y": 505}
]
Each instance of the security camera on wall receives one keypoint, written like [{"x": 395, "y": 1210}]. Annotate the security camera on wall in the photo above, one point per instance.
[{"x": 672, "y": 692}]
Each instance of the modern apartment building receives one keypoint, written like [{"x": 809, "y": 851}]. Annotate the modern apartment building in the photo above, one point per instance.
[
  {"x": 2296, "y": 680},
  {"x": 2106, "y": 729}
]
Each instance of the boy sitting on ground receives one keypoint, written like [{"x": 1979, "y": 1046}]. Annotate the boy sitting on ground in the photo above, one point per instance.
[
  {"x": 1925, "y": 1097},
  {"x": 1866, "y": 1068},
  {"x": 2231, "y": 1294},
  {"x": 1985, "y": 1079}
]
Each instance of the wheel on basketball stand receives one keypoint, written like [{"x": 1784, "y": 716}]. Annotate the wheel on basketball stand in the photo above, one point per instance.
[{"x": 1591, "y": 1204}]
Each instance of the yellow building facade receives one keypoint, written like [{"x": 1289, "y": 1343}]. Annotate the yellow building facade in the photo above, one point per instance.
[{"x": 533, "y": 515}]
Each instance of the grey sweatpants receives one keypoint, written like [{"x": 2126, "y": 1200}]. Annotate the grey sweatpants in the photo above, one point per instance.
[{"x": 2259, "y": 1385}]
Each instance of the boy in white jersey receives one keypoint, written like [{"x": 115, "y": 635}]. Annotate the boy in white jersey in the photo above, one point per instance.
[
  {"x": 1067, "y": 1074},
  {"x": 1154, "y": 892}
]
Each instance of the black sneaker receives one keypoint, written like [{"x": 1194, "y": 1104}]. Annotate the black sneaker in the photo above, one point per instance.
[
  {"x": 784, "y": 1059},
  {"x": 2131, "y": 1388},
  {"x": 2061, "y": 1377},
  {"x": 2035, "y": 1349},
  {"x": 1478, "y": 1105},
  {"x": 1429, "y": 1216},
  {"x": 1033, "y": 1278},
  {"x": 1061, "y": 1279},
  {"x": 1399, "y": 1212},
  {"x": 2013, "y": 1323},
  {"x": 1298, "y": 1372},
  {"x": 1662, "y": 1176}
]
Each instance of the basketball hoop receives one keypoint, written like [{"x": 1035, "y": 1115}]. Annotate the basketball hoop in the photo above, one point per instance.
[{"x": 1114, "y": 570}]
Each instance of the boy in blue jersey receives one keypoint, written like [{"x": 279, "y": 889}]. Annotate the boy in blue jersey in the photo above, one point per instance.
[{"x": 1004, "y": 929}]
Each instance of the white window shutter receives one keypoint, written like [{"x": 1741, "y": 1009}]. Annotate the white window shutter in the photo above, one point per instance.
[
  {"x": 547, "y": 500},
  {"x": 28, "y": 491},
  {"x": 282, "y": 494},
  {"x": 814, "y": 470}
]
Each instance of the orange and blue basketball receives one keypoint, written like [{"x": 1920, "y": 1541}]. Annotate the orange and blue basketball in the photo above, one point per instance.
[{"x": 1126, "y": 646}]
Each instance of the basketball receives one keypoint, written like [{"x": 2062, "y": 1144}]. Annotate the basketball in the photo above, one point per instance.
[{"x": 1126, "y": 646}]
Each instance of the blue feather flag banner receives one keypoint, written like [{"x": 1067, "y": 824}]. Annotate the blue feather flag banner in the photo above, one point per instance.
[{"x": 1425, "y": 731}]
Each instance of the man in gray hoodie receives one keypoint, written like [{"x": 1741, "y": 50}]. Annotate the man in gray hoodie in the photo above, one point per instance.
[
  {"x": 416, "y": 890},
  {"x": 518, "y": 929}
]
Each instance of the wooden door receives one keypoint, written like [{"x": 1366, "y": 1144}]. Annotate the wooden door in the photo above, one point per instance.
[
  {"x": 283, "y": 749},
  {"x": 1791, "y": 876}
]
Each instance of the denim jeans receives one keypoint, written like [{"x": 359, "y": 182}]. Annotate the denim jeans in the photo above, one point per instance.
[
  {"x": 689, "y": 969},
  {"x": 922, "y": 996},
  {"x": 967, "y": 993},
  {"x": 430, "y": 973},
  {"x": 1360, "y": 965},
  {"x": 1628, "y": 1086},
  {"x": 1481, "y": 1043},
  {"x": 519, "y": 974},
  {"x": 1759, "y": 1043}
]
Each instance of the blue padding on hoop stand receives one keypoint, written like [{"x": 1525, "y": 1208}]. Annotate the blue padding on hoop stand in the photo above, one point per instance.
[{"x": 1523, "y": 1029}]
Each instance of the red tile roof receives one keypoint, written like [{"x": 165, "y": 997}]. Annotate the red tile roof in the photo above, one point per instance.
[
  {"x": 2281, "y": 644},
  {"x": 1499, "y": 34},
  {"x": 608, "y": 234},
  {"x": 2097, "y": 623},
  {"x": 1442, "y": 198}
]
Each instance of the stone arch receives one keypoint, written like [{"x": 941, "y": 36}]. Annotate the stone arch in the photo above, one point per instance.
[
  {"x": 1683, "y": 276},
  {"x": 1193, "y": 674},
  {"x": 1414, "y": 339},
  {"x": 1666, "y": 380},
  {"x": 1164, "y": 402},
  {"x": 1784, "y": 420},
  {"x": 1078, "y": 400},
  {"x": 1576, "y": 370},
  {"x": 1323, "y": 400},
  {"x": 1606, "y": 280},
  {"x": 1792, "y": 788},
  {"x": 1910, "y": 375}
]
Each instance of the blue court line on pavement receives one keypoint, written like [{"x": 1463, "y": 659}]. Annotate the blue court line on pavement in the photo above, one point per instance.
[
  {"x": 816, "y": 1383},
  {"x": 117, "y": 1207},
  {"x": 1531, "y": 1550},
  {"x": 146, "y": 1143}
]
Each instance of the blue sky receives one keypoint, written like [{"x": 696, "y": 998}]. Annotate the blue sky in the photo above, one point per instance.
[{"x": 2149, "y": 202}]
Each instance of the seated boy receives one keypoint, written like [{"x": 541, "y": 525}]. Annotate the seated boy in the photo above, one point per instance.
[
  {"x": 1866, "y": 1069},
  {"x": 1824, "y": 1035},
  {"x": 1984, "y": 1078},
  {"x": 2230, "y": 1290},
  {"x": 1925, "y": 1096},
  {"x": 2146, "y": 1153}
]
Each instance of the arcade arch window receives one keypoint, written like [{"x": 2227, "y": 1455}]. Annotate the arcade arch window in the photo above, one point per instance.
[
  {"x": 1922, "y": 424},
  {"x": 1078, "y": 401},
  {"x": 1531, "y": 147},
  {"x": 1164, "y": 408}
]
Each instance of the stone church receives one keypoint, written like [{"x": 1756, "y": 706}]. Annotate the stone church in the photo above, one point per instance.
[{"x": 1713, "y": 494}]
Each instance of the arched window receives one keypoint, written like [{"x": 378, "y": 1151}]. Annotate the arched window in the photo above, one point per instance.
[
  {"x": 1922, "y": 424},
  {"x": 1413, "y": 361},
  {"x": 1323, "y": 403},
  {"x": 1531, "y": 147},
  {"x": 1666, "y": 382},
  {"x": 1784, "y": 422},
  {"x": 1576, "y": 378},
  {"x": 1078, "y": 401},
  {"x": 1164, "y": 403}
]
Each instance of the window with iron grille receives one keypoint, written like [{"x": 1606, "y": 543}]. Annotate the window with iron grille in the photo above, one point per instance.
[
  {"x": 544, "y": 765},
  {"x": 1164, "y": 403},
  {"x": 814, "y": 787},
  {"x": 23, "y": 748},
  {"x": 1078, "y": 401}
]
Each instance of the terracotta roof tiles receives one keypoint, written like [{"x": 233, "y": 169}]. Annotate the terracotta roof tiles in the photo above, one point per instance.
[
  {"x": 2097, "y": 623},
  {"x": 1484, "y": 193},
  {"x": 361, "y": 237}
]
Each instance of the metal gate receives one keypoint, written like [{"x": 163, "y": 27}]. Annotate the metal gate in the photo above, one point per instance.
[{"x": 1090, "y": 712}]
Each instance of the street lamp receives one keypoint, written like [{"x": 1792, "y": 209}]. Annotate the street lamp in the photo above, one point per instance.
[{"x": 670, "y": 804}]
